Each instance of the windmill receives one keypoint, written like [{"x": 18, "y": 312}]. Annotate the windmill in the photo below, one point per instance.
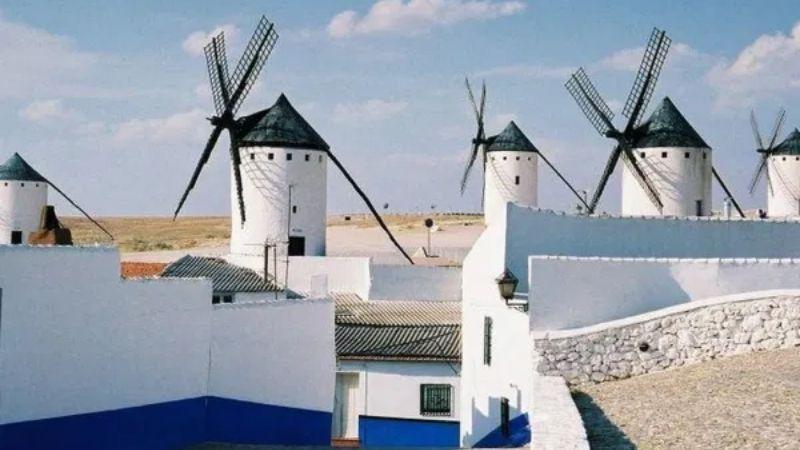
[
  {"x": 765, "y": 150},
  {"x": 776, "y": 163},
  {"x": 229, "y": 92},
  {"x": 600, "y": 116},
  {"x": 511, "y": 139}
]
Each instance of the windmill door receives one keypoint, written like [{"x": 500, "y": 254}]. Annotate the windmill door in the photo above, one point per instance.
[
  {"x": 297, "y": 246},
  {"x": 345, "y": 408}
]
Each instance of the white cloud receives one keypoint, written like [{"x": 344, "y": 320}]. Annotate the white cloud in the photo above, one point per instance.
[
  {"x": 417, "y": 16},
  {"x": 528, "y": 71},
  {"x": 41, "y": 110},
  {"x": 769, "y": 66},
  {"x": 373, "y": 110},
  {"x": 184, "y": 127},
  {"x": 194, "y": 43},
  {"x": 680, "y": 56}
]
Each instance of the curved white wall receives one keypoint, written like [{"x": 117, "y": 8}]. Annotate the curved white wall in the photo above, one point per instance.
[
  {"x": 681, "y": 175},
  {"x": 510, "y": 177},
  {"x": 266, "y": 185},
  {"x": 783, "y": 199},
  {"x": 21, "y": 204}
]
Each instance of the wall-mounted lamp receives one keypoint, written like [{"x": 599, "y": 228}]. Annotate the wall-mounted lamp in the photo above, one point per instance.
[{"x": 507, "y": 284}]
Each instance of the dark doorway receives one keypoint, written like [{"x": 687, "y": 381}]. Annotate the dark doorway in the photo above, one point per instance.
[
  {"x": 297, "y": 246},
  {"x": 16, "y": 237},
  {"x": 505, "y": 423}
]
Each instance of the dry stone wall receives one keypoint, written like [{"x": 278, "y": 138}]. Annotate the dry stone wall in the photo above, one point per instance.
[{"x": 671, "y": 340}]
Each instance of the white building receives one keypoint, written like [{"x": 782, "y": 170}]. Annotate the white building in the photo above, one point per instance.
[
  {"x": 678, "y": 163},
  {"x": 783, "y": 166},
  {"x": 398, "y": 373},
  {"x": 284, "y": 184},
  {"x": 23, "y": 196},
  {"x": 511, "y": 172}
]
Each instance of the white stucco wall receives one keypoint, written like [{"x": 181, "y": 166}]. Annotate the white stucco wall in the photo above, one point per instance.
[
  {"x": 277, "y": 353},
  {"x": 21, "y": 204},
  {"x": 266, "y": 194},
  {"x": 70, "y": 325},
  {"x": 783, "y": 192},
  {"x": 415, "y": 283},
  {"x": 568, "y": 292},
  {"x": 680, "y": 181},
  {"x": 392, "y": 388},
  {"x": 541, "y": 232},
  {"x": 502, "y": 170}
]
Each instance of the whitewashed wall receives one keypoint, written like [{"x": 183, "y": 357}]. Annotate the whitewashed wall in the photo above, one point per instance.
[
  {"x": 570, "y": 292},
  {"x": 415, "y": 283},
  {"x": 21, "y": 204},
  {"x": 391, "y": 388},
  {"x": 502, "y": 168},
  {"x": 541, "y": 232},
  {"x": 71, "y": 325},
  {"x": 277, "y": 353},
  {"x": 783, "y": 197}
]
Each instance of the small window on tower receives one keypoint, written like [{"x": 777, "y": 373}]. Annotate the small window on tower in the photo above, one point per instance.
[
  {"x": 516, "y": 180},
  {"x": 37, "y": 184},
  {"x": 517, "y": 158},
  {"x": 504, "y": 158},
  {"x": 5, "y": 184},
  {"x": 22, "y": 184},
  {"x": 294, "y": 209},
  {"x": 784, "y": 158},
  {"x": 288, "y": 156},
  {"x": 252, "y": 156},
  {"x": 642, "y": 155},
  {"x": 686, "y": 155},
  {"x": 704, "y": 155},
  {"x": 308, "y": 157},
  {"x": 320, "y": 158},
  {"x": 663, "y": 154},
  {"x": 529, "y": 158},
  {"x": 270, "y": 156}
]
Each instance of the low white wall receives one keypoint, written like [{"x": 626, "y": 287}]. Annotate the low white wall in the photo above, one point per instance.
[
  {"x": 570, "y": 292},
  {"x": 391, "y": 388},
  {"x": 541, "y": 232},
  {"x": 76, "y": 338},
  {"x": 415, "y": 283},
  {"x": 276, "y": 353},
  {"x": 555, "y": 420}
]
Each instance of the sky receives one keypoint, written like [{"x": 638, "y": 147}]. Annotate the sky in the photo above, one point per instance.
[{"x": 109, "y": 98}]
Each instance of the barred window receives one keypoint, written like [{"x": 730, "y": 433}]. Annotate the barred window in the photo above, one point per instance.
[
  {"x": 487, "y": 341},
  {"x": 435, "y": 399}
]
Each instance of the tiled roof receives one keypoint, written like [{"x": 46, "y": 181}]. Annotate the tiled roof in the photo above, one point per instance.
[
  {"x": 279, "y": 126},
  {"x": 790, "y": 145},
  {"x": 511, "y": 139},
  {"x": 397, "y": 330},
  {"x": 225, "y": 277},
  {"x": 16, "y": 168},
  {"x": 667, "y": 127}
]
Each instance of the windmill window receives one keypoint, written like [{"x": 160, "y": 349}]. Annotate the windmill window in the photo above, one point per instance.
[
  {"x": 320, "y": 158},
  {"x": 704, "y": 155},
  {"x": 642, "y": 155},
  {"x": 686, "y": 155},
  {"x": 252, "y": 156},
  {"x": 529, "y": 158},
  {"x": 22, "y": 184},
  {"x": 288, "y": 156},
  {"x": 663, "y": 154},
  {"x": 517, "y": 158},
  {"x": 784, "y": 158},
  {"x": 504, "y": 158},
  {"x": 37, "y": 184},
  {"x": 797, "y": 158},
  {"x": 270, "y": 156},
  {"x": 5, "y": 184},
  {"x": 294, "y": 209},
  {"x": 308, "y": 157},
  {"x": 516, "y": 180}
]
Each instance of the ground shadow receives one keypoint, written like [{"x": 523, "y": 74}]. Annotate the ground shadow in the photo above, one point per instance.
[{"x": 601, "y": 431}]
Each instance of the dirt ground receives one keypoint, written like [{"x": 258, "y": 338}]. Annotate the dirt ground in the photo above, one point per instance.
[{"x": 743, "y": 402}]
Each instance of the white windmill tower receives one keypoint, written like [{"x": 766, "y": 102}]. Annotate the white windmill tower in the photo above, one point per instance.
[
  {"x": 668, "y": 167},
  {"x": 511, "y": 164},
  {"x": 23, "y": 199},
  {"x": 782, "y": 164},
  {"x": 281, "y": 200}
]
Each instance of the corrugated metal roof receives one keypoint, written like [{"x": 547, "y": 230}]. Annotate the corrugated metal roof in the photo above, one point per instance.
[
  {"x": 511, "y": 139},
  {"x": 279, "y": 126},
  {"x": 16, "y": 168},
  {"x": 225, "y": 277},
  {"x": 667, "y": 127},
  {"x": 790, "y": 145},
  {"x": 397, "y": 330}
]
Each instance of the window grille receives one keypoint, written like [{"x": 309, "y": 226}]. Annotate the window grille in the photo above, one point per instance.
[
  {"x": 487, "y": 341},
  {"x": 435, "y": 399},
  {"x": 505, "y": 425}
]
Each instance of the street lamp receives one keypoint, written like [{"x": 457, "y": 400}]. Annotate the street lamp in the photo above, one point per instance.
[{"x": 507, "y": 284}]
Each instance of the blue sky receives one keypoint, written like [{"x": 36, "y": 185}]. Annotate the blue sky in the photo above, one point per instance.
[{"x": 108, "y": 98}]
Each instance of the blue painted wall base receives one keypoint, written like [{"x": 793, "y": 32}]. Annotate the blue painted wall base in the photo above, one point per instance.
[
  {"x": 519, "y": 434},
  {"x": 172, "y": 425},
  {"x": 396, "y": 432}
]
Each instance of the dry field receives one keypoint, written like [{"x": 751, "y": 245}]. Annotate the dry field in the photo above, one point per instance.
[
  {"x": 148, "y": 234},
  {"x": 743, "y": 402}
]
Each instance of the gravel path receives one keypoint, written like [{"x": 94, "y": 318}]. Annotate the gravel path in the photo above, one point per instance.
[{"x": 743, "y": 402}]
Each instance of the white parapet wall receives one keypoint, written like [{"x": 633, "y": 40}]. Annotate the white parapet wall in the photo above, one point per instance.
[
  {"x": 671, "y": 337},
  {"x": 391, "y": 282},
  {"x": 571, "y": 292}
]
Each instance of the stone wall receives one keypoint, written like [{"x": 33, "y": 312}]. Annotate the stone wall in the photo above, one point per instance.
[{"x": 672, "y": 337}]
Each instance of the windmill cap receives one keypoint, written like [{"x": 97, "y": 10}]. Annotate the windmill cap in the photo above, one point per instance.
[
  {"x": 667, "y": 127},
  {"x": 280, "y": 125},
  {"x": 789, "y": 146},
  {"x": 511, "y": 139},
  {"x": 17, "y": 169}
]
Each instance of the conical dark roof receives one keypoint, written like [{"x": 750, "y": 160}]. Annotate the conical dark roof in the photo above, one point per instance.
[
  {"x": 279, "y": 126},
  {"x": 790, "y": 145},
  {"x": 18, "y": 169},
  {"x": 667, "y": 127},
  {"x": 512, "y": 139}
]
